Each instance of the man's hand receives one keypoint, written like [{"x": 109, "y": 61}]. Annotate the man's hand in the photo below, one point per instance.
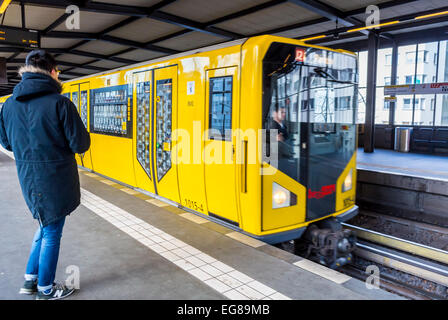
[{"x": 280, "y": 137}]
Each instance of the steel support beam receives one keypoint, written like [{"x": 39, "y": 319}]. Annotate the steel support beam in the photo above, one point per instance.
[
  {"x": 326, "y": 11},
  {"x": 393, "y": 81},
  {"x": 88, "y": 54},
  {"x": 369, "y": 132},
  {"x": 68, "y": 64},
  {"x": 22, "y": 12},
  {"x": 107, "y": 38},
  {"x": 192, "y": 25},
  {"x": 55, "y": 23}
]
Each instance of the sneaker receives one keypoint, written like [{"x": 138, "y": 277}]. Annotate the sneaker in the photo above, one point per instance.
[
  {"x": 29, "y": 287},
  {"x": 59, "y": 291}
]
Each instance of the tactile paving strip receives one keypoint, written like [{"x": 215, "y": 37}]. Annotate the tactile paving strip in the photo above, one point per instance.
[{"x": 214, "y": 273}]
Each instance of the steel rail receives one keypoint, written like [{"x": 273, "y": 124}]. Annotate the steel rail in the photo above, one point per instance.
[{"x": 421, "y": 250}]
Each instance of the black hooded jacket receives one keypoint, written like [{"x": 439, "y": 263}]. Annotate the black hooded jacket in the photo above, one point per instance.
[{"x": 44, "y": 130}]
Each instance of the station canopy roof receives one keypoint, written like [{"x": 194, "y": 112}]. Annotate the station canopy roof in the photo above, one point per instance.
[{"x": 115, "y": 33}]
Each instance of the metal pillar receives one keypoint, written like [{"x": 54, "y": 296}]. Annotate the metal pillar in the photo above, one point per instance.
[
  {"x": 393, "y": 81},
  {"x": 369, "y": 133},
  {"x": 22, "y": 10}
]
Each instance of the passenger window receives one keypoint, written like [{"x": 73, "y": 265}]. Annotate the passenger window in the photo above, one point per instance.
[
  {"x": 75, "y": 100},
  {"x": 164, "y": 130},
  {"x": 110, "y": 111},
  {"x": 83, "y": 108},
  {"x": 143, "y": 125},
  {"x": 220, "y": 107}
]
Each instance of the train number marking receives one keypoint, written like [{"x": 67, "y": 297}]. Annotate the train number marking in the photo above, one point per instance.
[
  {"x": 194, "y": 205},
  {"x": 300, "y": 55}
]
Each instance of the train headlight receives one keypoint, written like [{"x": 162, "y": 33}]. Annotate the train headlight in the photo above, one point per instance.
[
  {"x": 281, "y": 197},
  {"x": 348, "y": 182}
]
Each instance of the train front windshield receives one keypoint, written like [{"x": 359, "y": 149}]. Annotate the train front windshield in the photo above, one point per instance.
[{"x": 309, "y": 97}]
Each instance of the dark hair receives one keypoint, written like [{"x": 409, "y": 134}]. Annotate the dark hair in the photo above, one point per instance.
[
  {"x": 277, "y": 106},
  {"x": 41, "y": 59}
]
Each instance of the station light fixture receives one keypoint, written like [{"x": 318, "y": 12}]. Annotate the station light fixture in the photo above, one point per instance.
[
  {"x": 431, "y": 15},
  {"x": 374, "y": 26},
  {"x": 336, "y": 36},
  {"x": 313, "y": 38},
  {"x": 4, "y": 6}
]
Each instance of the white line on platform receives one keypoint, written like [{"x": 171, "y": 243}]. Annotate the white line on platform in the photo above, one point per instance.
[
  {"x": 216, "y": 274},
  {"x": 322, "y": 271}
]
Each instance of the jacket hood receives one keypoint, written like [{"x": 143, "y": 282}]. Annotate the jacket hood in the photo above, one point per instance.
[{"x": 35, "y": 82}]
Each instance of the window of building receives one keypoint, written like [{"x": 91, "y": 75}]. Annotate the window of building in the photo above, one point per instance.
[
  {"x": 422, "y": 56},
  {"x": 421, "y": 78},
  {"x": 423, "y": 115},
  {"x": 381, "y": 112},
  {"x": 417, "y": 103},
  {"x": 426, "y": 71},
  {"x": 422, "y": 103},
  {"x": 416, "y": 64},
  {"x": 410, "y": 57},
  {"x": 361, "y": 114},
  {"x": 343, "y": 103},
  {"x": 383, "y": 69},
  {"x": 406, "y": 64},
  {"x": 442, "y": 73},
  {"x": 362, "y": 60},
  {"x": 441, "y": 109},
  {"x": 407, "y": 104}
]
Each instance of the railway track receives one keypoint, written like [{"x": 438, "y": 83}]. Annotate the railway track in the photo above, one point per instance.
[{"x": 411, "y": 269}]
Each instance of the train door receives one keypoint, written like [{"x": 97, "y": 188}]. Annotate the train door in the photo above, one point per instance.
[
  {"x": 143, "y": 119},
  {"x": 165, "y": 121},
  {"x": 222, "y": 109},
  {"x": 79, "y": 94},
  {"x": 74, "y": 97},
  {"x": 84, "y": 106}
]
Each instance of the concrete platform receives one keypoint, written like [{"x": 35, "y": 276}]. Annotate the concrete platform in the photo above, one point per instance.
[
  {"x": 130, "y": 246},
  {"x": 407, "y": 185},
  {"x": 427, "y": 166}
]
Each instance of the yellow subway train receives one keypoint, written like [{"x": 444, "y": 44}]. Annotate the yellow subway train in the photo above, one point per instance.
[{"x": 258, "y": 134}]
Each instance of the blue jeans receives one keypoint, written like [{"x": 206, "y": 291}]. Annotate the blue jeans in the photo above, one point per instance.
[{"x": 44, "y": 255}]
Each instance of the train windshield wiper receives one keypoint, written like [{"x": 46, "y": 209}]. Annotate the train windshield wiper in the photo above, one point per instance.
[{"x": 324, "y": 74}]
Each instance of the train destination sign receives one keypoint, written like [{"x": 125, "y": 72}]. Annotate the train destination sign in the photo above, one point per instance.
[
  {"x": 424, "y": 88},
  {"x": 16, "y": 36}
]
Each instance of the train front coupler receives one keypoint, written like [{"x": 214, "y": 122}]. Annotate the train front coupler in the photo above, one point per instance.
[{"x": 328, "y": 243}]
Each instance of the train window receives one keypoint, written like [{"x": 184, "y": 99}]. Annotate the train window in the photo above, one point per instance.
[
  {"x": 163, "y": 135},
  {"x": 143, "y": 125},
  {"x": 220, "y": 107},
  {"x": 75, "y": 100},
  {"x": 110, "y": 111},
  {"x": 83, "y": 107}
]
